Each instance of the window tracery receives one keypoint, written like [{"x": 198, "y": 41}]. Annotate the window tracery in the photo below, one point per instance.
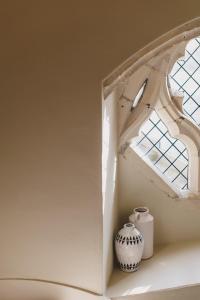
[
  {"x": 139, "y": 94},
  {"x": 167, "y": 141},
  {"x": 163, "y": 104}
]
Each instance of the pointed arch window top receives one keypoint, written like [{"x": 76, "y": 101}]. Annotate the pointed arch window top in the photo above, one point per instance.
[{"x": 168, "y": 141}]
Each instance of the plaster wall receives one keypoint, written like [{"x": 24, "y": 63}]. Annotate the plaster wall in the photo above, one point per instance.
[
  {"x": 110, "y": 201},
  {"x": 36, "y": 290},
  {"x": 53, "y": 56}
]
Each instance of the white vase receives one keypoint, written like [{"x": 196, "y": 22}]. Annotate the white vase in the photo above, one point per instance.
[
  {"x": 144, "y": 222},
  {"x": 129, "y": 247}
]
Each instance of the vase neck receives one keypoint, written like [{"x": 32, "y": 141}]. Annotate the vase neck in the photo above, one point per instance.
[{"x": 143, "y": 211}]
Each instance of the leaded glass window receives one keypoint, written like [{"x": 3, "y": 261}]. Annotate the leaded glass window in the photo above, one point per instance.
[
  {"x": 167, "y": 154},
  {"x": 185, "y": 77}
]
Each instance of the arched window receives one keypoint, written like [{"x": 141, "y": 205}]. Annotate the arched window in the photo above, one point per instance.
[{"x": 159, "y": 110}]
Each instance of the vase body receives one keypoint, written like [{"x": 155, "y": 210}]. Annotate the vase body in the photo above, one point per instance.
[
  {"x": 129, "y": 246},
  {"x": 144, "y": 222}
]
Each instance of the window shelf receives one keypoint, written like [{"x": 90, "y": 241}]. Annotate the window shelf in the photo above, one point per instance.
[{"x": 172, "y": 266}]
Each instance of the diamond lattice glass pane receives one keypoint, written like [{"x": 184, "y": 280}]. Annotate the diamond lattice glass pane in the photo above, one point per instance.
[
  {"x": 196, "y": 116},
  {"x": 180, "y": 146},
  {"x": 148, "y": 126},
  {"x": 174, "y": 85},
  {"x": 154, "y": 155},
  {"x": 163, "y": 164},
  {"x": 172, "y": 173},
  {"x": 155, "y": 135},
  {"x": 192, "y": 45},
  {"x": 196, "y": 54},
  {"x": 181, "y": 180},
  {"x": 190, "y": 106},
  {"x": 144, "y": 145},
  {"x": 190, "y": 86},
  {"x": 172, "y": 154},
  {"x": 196, "y": 96},
  {"x": 185, "y": 172},
  {"x": 175, "y": 69},
  {"x": 181, "y": 76},
  {"x": 190, "y": 65},
  {"x": 162, "y": 127},
  {"x": 166, "y": 153},
  {"x": 185, "y": 76},
  {"x": 180, "y": 164},
  {"x": 196, "y": 75}
]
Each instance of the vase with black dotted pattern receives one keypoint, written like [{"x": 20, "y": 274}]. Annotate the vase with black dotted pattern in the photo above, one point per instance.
[{"x": 129, "y": 245}]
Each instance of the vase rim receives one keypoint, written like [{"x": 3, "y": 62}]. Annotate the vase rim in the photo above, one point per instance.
[
  {"x": 129, "y": 225},
  {"x": 141, "y": 210}
]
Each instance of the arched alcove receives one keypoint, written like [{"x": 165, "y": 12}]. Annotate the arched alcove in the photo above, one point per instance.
[{"x": 136, "y": 89}]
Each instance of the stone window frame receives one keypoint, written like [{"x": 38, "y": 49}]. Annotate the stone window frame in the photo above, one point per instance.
[{"x": 153, "y": 65}]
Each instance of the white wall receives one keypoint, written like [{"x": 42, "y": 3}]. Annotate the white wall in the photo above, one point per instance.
[{"x": 110, "y": 201}]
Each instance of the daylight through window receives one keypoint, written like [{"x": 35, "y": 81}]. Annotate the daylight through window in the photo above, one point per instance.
[
  {"x": 185, "y": 77},
  {"x": 165, "y": 153}
]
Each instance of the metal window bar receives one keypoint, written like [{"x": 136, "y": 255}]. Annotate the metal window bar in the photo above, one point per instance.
[
  {"x": 167, "y": 154},
  {"x": 186, "y": 78}
]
